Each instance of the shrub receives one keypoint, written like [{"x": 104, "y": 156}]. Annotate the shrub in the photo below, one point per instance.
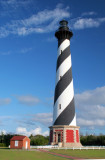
[{"x": 2, "y": 145}]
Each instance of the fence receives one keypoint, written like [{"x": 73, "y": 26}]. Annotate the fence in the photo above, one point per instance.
[{"x": 73, "y": 148}]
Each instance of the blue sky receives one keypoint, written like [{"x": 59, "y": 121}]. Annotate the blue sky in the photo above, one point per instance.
[{"x": 28, "y": 53}]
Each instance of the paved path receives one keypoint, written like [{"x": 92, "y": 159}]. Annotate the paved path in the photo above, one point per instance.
[{"x": 60, "y": 155}]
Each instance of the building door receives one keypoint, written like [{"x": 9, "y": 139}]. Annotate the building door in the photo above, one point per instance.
[
  {"x": 26, "y": 144},
  {"x": 59, "y": 137}
]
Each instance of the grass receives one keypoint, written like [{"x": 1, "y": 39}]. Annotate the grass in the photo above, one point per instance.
[
  {"x": 7, "y": 154},
  {"x": 94, "y": 154}
]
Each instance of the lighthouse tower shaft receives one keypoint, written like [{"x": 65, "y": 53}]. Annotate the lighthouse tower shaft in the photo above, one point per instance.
[
  {"x": 64, "y": 108},
  {"x": 64, "y": 131}
]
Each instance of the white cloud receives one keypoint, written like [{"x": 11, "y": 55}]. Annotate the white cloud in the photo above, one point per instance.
[
  {"x": 5, "y": 117},
  {"x": 38, "y": 130},
  {"x": 32, "y": 120},
  {"x": 91, "y": 112},
  {"x": 20, "y": 130},
  {"x": 43, "y": 118},
  {"x": 21, "y": 51},
  {"x": 28, "y": 100},
  {"x": 94, "y": 97},
  {"x": 25, "y": 50},
  {"x": 5, "y": 120},
  {"x": 97, "y": 122},
  {"x": 90, "y": 107},
  {"x": 5, "y": 53},
  {"x": 5, "y": 101},
  {"x": 2, "y": 132},
  {"x": 8, "y": 2},
  {"x": 3, "y": 31},
  {"x": 51, "y": 39},
  {"x": 83, "y": 23},
  {"x": 46, "y": 133},
  {"x": 42, "y": 22},
  {"x": 14, "y": 3},
  {"x": 89, "y": 13},
  {"x": 9, "y": 8}
]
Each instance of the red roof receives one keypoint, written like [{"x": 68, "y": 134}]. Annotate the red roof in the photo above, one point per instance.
[{"x": 18, "y": 138}]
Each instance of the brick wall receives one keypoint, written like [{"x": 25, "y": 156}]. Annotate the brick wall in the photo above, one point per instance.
[
  {"x": 21, "y": 144},
  {"x": 51, "y": 135},
  {"x": 12, "y": 145},
  {"x": 24, "y": 142},
  {"x": 69, "y": 136},
  {"x": 77, "y": 136}
]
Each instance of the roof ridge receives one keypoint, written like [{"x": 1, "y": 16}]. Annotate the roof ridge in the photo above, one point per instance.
[{"x": 18, "y": 137}]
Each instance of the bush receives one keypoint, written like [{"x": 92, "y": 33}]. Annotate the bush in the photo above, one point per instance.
[
  {"x": 39, "y": 140},
  {"x": 2, "y": 145},
  {"x": 93, "y": 140}
]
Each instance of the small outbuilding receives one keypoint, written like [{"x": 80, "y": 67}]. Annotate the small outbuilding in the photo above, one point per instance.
[{"x": 20, "y": 142}]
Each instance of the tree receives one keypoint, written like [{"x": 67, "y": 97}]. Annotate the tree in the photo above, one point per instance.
[
  {"x": 93, "y": 140},
  {"x": 39, "y": 140}
]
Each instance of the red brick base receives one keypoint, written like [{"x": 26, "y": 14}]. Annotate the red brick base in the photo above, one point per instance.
[{"x": 66, "y": 136}]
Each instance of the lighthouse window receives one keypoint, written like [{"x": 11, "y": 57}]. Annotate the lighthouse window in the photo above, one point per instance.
[
  {"x": 61, "y": 51},
  {"x": 60, "y": 77},
  {"x": 59, "y": 106}
]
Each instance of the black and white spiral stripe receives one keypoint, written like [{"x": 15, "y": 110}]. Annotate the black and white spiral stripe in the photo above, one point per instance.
[{"x": 64, "y": 109}]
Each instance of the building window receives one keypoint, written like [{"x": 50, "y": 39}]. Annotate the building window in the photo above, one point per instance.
[
  {"x": 59, "y": 106},
  {"x": 16, "y": 143}
]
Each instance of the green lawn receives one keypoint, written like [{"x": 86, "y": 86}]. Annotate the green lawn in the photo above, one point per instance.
[
  {"x": 94, "y": 154},
  {"x": 7, "y": 154}
]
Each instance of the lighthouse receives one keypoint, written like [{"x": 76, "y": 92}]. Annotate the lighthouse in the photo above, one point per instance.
[{"x": 64, "y": 131}]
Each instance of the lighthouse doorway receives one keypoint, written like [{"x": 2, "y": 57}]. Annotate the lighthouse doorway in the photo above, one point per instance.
[{"x": 59, "y": 137}]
